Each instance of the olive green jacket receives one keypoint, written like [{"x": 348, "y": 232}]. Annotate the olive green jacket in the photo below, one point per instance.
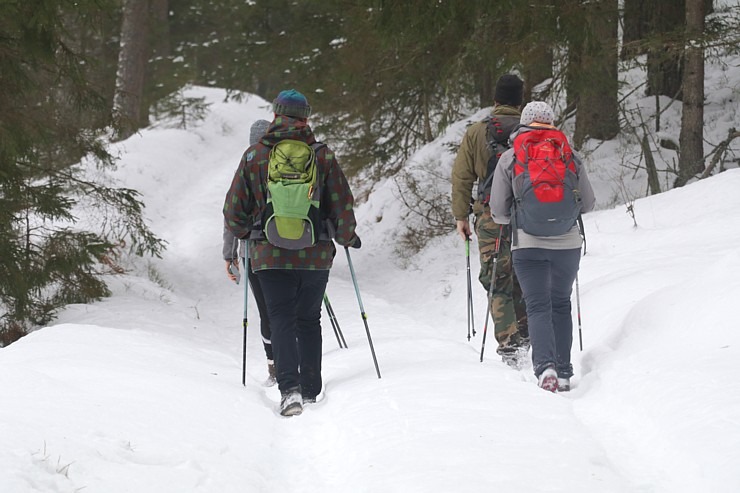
[{"x": 471, "y": 163}]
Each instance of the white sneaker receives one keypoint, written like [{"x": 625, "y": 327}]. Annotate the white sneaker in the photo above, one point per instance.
[
  {"x": 548, "y": 380},
  {"x": 292, "y": 403}
]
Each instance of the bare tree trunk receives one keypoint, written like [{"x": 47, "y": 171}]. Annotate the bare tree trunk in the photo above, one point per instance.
[
  {"x": 652, "y": 170},
  {"x": 485, "y": 87},
  {"x": 664, "y": 73},
  {"x": 636, "y": 27},
  {"x": 426, "y": 117},
  {"x": 159, "y": 81},
  {"x": 598, "y": 106},
  {"x": 664, "y": 55},
  {"x": 160, "y": 12},
  {"x": 537, "y": 68},
  {"x": 132, "y": 58},
  {"x": 691, "y": 158},
  {"x": 537, "y": 60}
]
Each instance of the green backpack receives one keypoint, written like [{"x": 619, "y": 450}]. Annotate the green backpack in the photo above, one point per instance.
[{"x": 292, "y": 218}]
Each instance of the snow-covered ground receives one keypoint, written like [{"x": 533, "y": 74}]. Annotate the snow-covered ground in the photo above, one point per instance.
[{"x": 142, "y": 392}]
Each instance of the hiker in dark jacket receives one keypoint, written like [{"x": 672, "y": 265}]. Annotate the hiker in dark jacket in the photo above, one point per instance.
[
  {"x": 546, "y": 266},
  {"x": 471, "y": 165},
  {"x": 293, "y": 281},
  {"x": 232, "y": 252}
]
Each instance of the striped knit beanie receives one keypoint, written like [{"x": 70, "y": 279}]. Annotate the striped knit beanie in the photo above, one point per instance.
[
  {"x": 258, "y": 129},
  {"x": 537, "y": 111},
  {"x": 291, "y": 103}
]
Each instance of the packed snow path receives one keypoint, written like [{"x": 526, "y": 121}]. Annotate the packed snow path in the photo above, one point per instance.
[{"x": 142, "y": 392}]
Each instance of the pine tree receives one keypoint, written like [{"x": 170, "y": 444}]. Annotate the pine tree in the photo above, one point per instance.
[{"x": 46, "y": 261}]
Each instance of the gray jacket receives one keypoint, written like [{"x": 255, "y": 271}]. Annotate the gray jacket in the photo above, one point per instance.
[
  {"x": 231, "y": 243},
  {"x": 502, "y": 197}
]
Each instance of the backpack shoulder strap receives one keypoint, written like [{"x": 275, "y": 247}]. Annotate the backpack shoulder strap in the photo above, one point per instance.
[
  {"x": 316, "y": 147},
  {"x": 495, "y": 132},
  {"x": 582, "y": 230},
  {"x": 497, "y": 140}
]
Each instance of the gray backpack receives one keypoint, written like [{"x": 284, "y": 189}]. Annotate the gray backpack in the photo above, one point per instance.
[{"x": 547, "y": 201}]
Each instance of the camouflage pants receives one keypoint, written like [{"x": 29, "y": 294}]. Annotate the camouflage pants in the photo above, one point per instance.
[{"x": 507, "y": 302}]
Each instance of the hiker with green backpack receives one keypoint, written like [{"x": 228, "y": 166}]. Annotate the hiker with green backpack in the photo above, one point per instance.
[
  {"x": 540, "y": 189},
  {"x": 290, "y": 199}
]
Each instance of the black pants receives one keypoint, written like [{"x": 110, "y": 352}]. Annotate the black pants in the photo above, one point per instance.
[
  {"x": 259, "y": 297},
  {"x": 293, "y": 300}
]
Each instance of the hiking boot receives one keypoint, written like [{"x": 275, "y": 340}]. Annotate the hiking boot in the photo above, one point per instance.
[
  {"x": 292, "y": 403},
  {"x": 512, "y": 359},
  {"x": 548, "y": 380},
  {"x": 271, "y": 374},
  {"x": 514, "y": 356},
  {"x": 563, "y": 384},
  {"x": 310, "y": 398}
]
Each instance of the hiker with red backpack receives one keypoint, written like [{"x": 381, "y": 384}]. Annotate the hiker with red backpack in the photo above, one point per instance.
[
  {"x": 290, "y": 198},
  {"x": 540, "y": 189},
  {"x": 480, "y": 149}
]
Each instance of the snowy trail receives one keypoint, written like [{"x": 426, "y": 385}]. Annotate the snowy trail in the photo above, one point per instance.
[
  {"x": 436, "y": 410},
  {"x": 142, "y": 392}
]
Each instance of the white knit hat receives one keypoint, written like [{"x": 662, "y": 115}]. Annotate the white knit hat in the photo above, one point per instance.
[{"x": 537, "y": 111}]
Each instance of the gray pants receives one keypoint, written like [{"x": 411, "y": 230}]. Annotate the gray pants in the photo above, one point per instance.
[{"x": 546, "y": 278}]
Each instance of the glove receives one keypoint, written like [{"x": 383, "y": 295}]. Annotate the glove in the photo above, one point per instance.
[{"x": 356, "y": 243}]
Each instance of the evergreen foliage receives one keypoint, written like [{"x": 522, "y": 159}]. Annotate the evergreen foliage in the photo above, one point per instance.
[
  {"x": 51, "y": 113},
  {"x": 383, "y": 77}
]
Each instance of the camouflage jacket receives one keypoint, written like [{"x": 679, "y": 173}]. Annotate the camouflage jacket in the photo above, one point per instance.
[
  {"x": 471, "y": 162},
  {"x": 246, "y": 199}
]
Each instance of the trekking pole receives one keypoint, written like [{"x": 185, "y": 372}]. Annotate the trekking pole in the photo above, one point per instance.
[
  {"x": 578, "y": 310},
  {"x": 334, "y": 322},
  {"x": 490, "y": 290},
  {"x": 244, "y": 319},
  {"x": 362, "y": 310},
  {"x": 471, "y": 320},
  {"x": 582, "y": 231}
]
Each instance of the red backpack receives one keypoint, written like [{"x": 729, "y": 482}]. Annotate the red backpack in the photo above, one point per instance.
[{"x": 547, "y": 201}]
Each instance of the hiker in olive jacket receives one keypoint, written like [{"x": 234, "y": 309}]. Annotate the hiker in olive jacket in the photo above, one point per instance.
[
  {"x": 471, "y": 166},
  {"x": 293, "y": 281}
]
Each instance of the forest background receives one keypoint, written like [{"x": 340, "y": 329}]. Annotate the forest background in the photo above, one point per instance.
[{"x": 384, "y": 78}]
